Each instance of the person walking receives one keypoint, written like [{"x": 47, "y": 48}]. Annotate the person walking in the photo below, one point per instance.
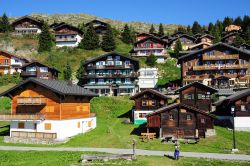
[{"x": 176, "y": 151}]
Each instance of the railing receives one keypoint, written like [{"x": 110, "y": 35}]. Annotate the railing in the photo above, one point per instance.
[
  {"x": 66, "y": 40},
  {"x": 4, "y": 64},
  {"x": 9, "y": 117},
  {"x": 111, "y": 67},
  {"x": 221, "y": 67},
  {"x": 28, "y": 73},
  {"x": 31, "y": 101},
  {"x": 41, "y": 135},
  {"x": 111, "y": 75},
  {"x": 219, "y": 57},
  {"x": 148, "y": 48},
  {"x": 204, "y": 76}
]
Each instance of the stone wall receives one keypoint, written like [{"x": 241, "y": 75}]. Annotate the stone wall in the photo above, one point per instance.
[{"x": 8, "y": 139}]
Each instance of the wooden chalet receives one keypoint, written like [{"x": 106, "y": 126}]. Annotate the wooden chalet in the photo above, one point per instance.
[
  {"x": 99, "y": 26},
  {"x": 230, "y": 37},
  {"x": 199, "y": 46},
  {"x": 147, "y": 102},
  {"x": 186, "y": 41},
  {"x": 38, "y": 70},
  {"x": 220, "y": 66},
  {"x": 180, "y": 121},
  {"x": 10, "y": 63},
  {"x": 232, "y": 28},
  {"x": 67, "y": 35},
  {"x": 142, "y": 36},
  {"x": 27, "y": 25},
  {"x": 241, "y": 101},
  {"x": 177, "y": 34},
  {"x": 206, "y": 38},
  {"x": 48, "y": 109},
  {"x": 150, "y": 45}
]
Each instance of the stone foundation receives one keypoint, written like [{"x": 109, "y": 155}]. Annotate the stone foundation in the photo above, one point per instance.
[{"x": 8, "y": 139}]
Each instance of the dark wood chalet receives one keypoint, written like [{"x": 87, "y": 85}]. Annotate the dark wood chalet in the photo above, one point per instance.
[
  {"x": 221, "y": 66},
  {"x": 206, "y": 38},
  {"x": 229, "y": 38},
  {"x": 241, "y": 101},
  {"x": 197, "y": 95},
  {"x": 142, "y": 36},
  {"x": 111, "y": 74},
  {"x": 199, "y": 46},
  {"x": 181, "y": 121},
  {"x": 27, "y": 25},
  {"x": 99, "y": 26},
  {"x": 147, "y": 102},
  {"x": 39, "y": 70},
  {"x": 177, "y": 34},
  {"x": 67, "y": 35},
  {"x": 186, "y": 41},
  {"x": 245, "y": 47}
]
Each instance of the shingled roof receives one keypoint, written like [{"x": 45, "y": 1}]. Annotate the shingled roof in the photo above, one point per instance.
[
  {"x": 13, "y": 55},
  {"x": 36, "y": 62},
  {"x": 157, "y": 93},
  {"x": 39, "y": 22},
  {"x": 57, "y": 86},
  {"x": 197, "y": 84}
]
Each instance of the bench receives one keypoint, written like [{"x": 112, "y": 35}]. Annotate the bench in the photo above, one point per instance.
[
  {"x": 106, "y": 157},
  {"x": 148, "y": 136},
  {"x": 190, "y": 140}
]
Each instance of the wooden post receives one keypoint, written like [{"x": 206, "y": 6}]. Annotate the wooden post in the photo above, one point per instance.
[
  {"x": 147, "y": 130},
  {"x": 134, "y": 146},
  {"x": 160, "y": 133}
]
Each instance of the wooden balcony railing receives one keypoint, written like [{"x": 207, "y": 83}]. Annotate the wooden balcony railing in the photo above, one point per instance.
[
  {"x": 219, "y": 57},
  {"x": 31, "y": 101},
  {"x": 9, "y": 117},
  {"x": 222, "y": 67}
]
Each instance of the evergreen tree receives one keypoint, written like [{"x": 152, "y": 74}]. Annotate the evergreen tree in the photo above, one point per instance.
[
  {"x": 126, "y": 35},
  {"x": 177, "y": 48},
  {"x": 227, "y": 21},
  {"x": 67, "y": 72},
  {"x": 204, "y": 28},
  {"x": 196, "y": 28},
  {"x": 151, "y": 60},
  {"x": 90, "y": 40},
  {"x": 181, "y": 29},
  {"x": 189, "y": 30},
  {"x": 108, "y": 40},
  {"x": 152, "y": 29},
  {"x": 4, "y": 24},
  {"x": 210, "y": 27},
  {"x": 216, "y": 34},
  {"x": 161, "y": 30},
  {"x": 219, "y": 26},
  {"x": 80, "y": 72},
  {"x": 45, "y": 39},
  {"x": 238, "y": 21},
  {"x": 245, "y": 23},
  {"x": 238, "y": 41},
  {"x": 247, "y": 36}
]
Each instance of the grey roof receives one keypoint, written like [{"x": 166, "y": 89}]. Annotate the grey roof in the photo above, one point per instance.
[
  {"x": 157, "y": 93},
  {"x": 225, "y": 92},
  {"x": 42, "y": 64},
  {"x": 196, "y": 84},
  {"x": 234, "y": 97},
  {"x": 58, "y": 86}
]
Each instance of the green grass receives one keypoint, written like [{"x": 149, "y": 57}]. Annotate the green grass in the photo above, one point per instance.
[
  {"x": 31, "y": 158},
  {"x": 112, "y": 133}
]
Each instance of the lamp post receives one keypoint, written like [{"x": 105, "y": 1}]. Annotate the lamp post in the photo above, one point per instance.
[{"x": 234, "y": 144}]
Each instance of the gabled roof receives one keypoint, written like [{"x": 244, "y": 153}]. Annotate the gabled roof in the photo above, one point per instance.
[
  {"x": 234, "y": 97},
  {"x": 229, "y": 35},
  {"x": 157, "y": 93},
  {"x": 109, "y": 54},
  {"x": 197, "y": 84},
  {"x": 95, "y": 20},
  {"x": 150, "y": 38},
  {"x": 42, "y": 64},
  {"x": 56, "y": 24},
  {"x": 212, "y": 46},
  {"x": 178, "y": 33},
  {"x": 39, "y": 22},
  {"x": 59, "y": 87},
  {"x": 181, "y": 36},
  {"x": 199, "y": 44},
  {"x": 179, "y": 105},
  {"x": 13, "y": 55},
  {"x": 205, "y": 35},
  {"x": 245, "y": 46},
  {"x": 63, "y": 25}
]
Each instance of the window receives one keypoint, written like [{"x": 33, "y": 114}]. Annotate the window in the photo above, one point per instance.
[
  {"x": 89, "y": 123},
  {"x": 142, "y": 115},
  {"x": 110, "y": 63},
  {"x": 78, "y": 124},
  {"x": 243, "y": 108},
  {"x": 188, "y": 96},
  {"x": 127, "y": 63},
  {"x": 21, "y": 125},
  {"x": 188, "y": 117},
  {"x": 6, "y": 61},
  {"x": 43, "y": 69},
  {"x": 47, "y": 126},
  {"x": 202, "y": 120},
  {"x": 144, "y": 102},
  {"x": 16, "y": 61},
  {"x": 118, "y": 63},
  {"x": 35, "y": 126},
  {"x": 127, "y": 80},
  {"x": 100, "y": 81},
  {"x": 117, "y": 58},
  {"x": 109, "y": 58},
  {"x": 148, "y": 102},
  {"x": 171, "y": 117},
  {"x": 241, "y": 61}
]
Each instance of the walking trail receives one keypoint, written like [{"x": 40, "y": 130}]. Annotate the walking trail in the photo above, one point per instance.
[{"x": 129, "y": 151}]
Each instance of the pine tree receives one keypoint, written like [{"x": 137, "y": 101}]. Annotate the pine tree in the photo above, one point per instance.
[
  {"x": 181, "y": 29},
  {"x": 4, "y": 24},
  {"x": 108, "y": 40},
  {"x": 238, "y": 21},
  {"x": 126, "y": 35},
  {"x": 216, "y": 34},
  {"x": 90, "y": 40},
  {"x": 245, "y": 23},
  {"x": 67, "y": 72},
  {"x": 210, "y": 27},
  {"x": 80, "y": 72},
  {"x": 196, "y": 28},
  {"x": 152, "y": 29},
  {"x": 247, "y": 36},
  {"x": 161, "y": 30},
  {"x": 177, "y": 48},
  {"x": 227, "y": 21},
  {"x": 151, "y": 60},
  {"x": 45, "y": 39},
  {"x": 189, "y": 31},
  {"x": 219, "y": 25},
  {"x": 238, "y": 41}
]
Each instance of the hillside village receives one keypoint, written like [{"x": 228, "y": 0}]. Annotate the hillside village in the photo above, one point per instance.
[{"x": 159, "y": 86}]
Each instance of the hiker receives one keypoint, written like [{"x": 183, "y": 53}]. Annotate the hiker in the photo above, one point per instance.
[{"x": 176, "y": 151}]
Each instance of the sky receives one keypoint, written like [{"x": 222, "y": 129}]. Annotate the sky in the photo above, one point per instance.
[{"x": 183, "y": 12}]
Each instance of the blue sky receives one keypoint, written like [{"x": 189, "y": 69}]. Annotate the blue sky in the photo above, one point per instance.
[{"x": 153, "y": 11}]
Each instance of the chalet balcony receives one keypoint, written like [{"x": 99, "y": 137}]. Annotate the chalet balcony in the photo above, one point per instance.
[
  {"x": 220, "y": 57},
  {"x": 205, "y": 76},
  {"x": 66, "y": 40},
  {"x": 221, "y": 67},
  {"x": 116, "y": 75},
  {"x": 10, "y": 117},
  {"x": 111, "y": 67},
  {"x": 148, "y": 48},
  {"x": 28, "y": 74},
  {"x": 4, "y": 64},
  {"x": 31, "y": 101}
]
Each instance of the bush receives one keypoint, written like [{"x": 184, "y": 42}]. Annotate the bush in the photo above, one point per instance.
[
  {"x": 7, "y": 79},
  {"x": 5, "y": 105},
  {"x": 151, "y": 60}
]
